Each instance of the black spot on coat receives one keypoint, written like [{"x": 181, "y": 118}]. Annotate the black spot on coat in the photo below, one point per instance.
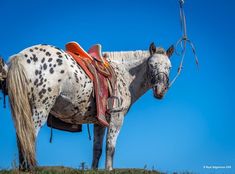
[
  {"x": 59, "y": 61},
  {"x": 44, "y": 66},
  {"x": 35, "y": 59},
  {"x": 51, "y": 70},
  {"x": 49, "y": 89},
  {"x": 44, "y": 101},
  {"x": 48, "y": 54},
  {"x": 35, "y": 82},
  {"x": 43, "y": 59},
  {"x": 36, "y": 72},
  {"x": 43, "y": 91}
]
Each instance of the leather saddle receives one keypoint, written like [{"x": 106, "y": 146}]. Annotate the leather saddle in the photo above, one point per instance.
[{"x": 103, "y": 77}]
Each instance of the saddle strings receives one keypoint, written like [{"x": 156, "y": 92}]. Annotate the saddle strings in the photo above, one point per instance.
[{"x": 183, "y": 43}]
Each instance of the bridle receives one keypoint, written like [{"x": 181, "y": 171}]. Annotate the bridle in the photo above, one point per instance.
[{"x": 154, "y": 78}]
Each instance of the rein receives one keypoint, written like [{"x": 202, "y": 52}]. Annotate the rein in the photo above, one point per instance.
[{"x": 182, "y": 42}]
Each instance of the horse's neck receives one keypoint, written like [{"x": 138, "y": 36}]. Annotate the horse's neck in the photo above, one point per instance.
[{"x": 135, "y": 63}]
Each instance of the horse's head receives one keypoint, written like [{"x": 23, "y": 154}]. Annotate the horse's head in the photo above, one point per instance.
[
  {"x": 3, "y": 70},
  {"x": 159, "y": 66}
]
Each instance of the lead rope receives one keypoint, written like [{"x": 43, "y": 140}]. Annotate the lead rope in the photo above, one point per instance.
[{"x": 183, "y": 42}]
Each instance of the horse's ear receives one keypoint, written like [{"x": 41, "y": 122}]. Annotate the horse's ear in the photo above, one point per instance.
[
  {"x": 152, "y": 48},
  {"x": 170, "y": 51}
]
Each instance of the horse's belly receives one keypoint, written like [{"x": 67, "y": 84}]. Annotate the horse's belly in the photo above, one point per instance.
[{"x": 75, "y": 113}]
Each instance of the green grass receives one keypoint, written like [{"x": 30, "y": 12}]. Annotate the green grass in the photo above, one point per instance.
[{"x": 65, "y": 170}]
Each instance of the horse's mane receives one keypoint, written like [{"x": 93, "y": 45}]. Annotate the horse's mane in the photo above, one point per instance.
[
  {"x": 129, "y": 55},
  {"x": 126, "y": 55}
]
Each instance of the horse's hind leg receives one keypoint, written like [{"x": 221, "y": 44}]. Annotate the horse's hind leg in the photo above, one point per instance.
[
  {"x": 38, "y": 120},
  {"x": 22, "y": 161},
  {"x": 115, "y": 125},
  {"x": 40, "y": 112},
  {"x": 99, "y": 132}
]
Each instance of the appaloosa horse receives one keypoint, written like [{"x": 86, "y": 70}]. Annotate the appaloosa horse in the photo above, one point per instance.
[{"x": 43, "y": 79}]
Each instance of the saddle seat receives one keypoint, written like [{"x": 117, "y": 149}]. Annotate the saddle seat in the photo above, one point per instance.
[{"x": 93, "y": 53}]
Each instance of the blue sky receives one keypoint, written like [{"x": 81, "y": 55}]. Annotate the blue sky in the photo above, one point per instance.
[{"x": 193, "y": 126}]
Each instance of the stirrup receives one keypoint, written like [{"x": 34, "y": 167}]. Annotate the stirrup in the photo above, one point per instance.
[{"x": 110, "y": 104}]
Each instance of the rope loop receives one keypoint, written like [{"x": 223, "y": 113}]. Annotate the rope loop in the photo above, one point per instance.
[{"x": 182, "y": 42}]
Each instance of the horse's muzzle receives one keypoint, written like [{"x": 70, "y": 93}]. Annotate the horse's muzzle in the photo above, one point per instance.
[{"x": 159, "y": 90}]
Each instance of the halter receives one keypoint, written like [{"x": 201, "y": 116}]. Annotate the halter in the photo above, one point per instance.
[{"x": 155, "y": 76}]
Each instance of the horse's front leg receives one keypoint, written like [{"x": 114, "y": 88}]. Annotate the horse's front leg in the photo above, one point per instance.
[
  {"x": 115, "y": 125},
  {"x": 99, "y": 132}
]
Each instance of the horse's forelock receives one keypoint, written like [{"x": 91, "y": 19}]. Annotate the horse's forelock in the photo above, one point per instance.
[{"x": 160, "y": 51}]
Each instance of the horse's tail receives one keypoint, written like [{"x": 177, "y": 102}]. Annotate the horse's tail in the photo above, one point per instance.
[{"x": 17, "y": 85}]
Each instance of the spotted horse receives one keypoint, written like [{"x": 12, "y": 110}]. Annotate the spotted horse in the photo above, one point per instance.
[{"x": 43, "y": 79}]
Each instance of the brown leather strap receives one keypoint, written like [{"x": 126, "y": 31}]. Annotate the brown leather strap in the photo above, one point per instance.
[{"x": 101, "y": 68}]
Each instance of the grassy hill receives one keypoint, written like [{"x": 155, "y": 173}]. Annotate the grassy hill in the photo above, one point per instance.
[{"x": 65, "y": 170}]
